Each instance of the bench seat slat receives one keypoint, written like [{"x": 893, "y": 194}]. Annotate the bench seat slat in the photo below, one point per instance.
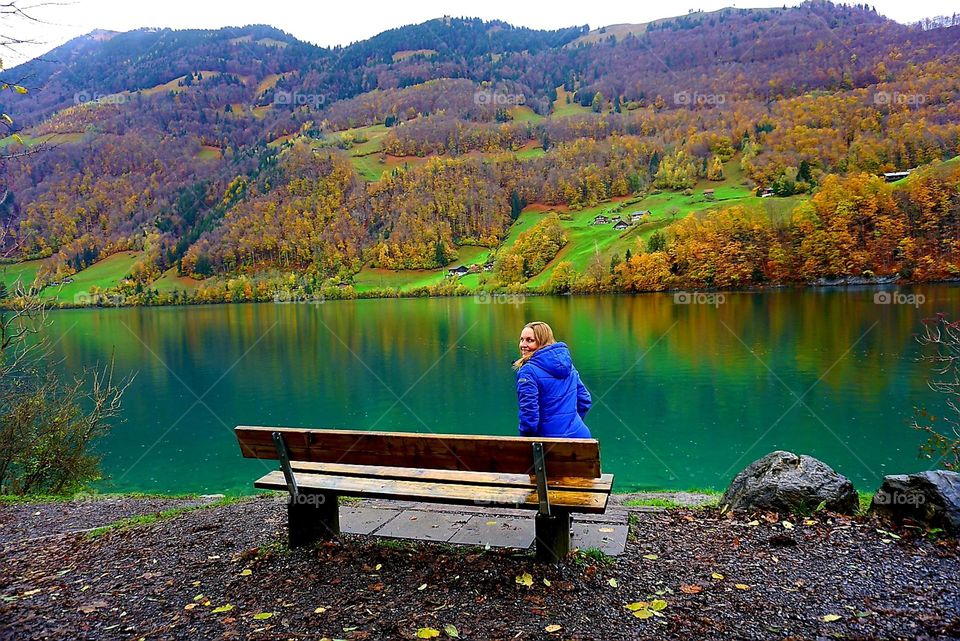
[
  {"x": 452, "y": 493},
  {"x": 602, "y": 484}
]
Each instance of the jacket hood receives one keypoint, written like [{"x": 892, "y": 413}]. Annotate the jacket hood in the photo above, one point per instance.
[{"x": 553, "y": 359}]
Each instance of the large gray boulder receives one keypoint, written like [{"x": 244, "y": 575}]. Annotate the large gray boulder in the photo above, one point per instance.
[
  {"x": 932, "y": 498},
  {"x": 787, "y": 483}
]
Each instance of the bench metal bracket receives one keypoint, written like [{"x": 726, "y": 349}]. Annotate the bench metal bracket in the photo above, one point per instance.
[
  {"x": 284, "y": 457},
  {"x": 540, "y": 468}
]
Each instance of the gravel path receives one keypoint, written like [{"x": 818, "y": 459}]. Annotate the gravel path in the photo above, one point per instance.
[{"x": 224, "y": 572}]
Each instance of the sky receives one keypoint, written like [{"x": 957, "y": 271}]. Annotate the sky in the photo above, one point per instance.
[{"x": 327, "y": 23}]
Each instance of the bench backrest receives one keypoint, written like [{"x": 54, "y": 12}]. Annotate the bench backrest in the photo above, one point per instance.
[{"x": 506, "y": 454}]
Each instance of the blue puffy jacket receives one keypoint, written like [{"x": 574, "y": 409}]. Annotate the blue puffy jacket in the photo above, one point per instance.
[{"x": 552, "y": 399}]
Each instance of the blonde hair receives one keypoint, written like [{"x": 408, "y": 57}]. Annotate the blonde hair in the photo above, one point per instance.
[{"x": 544, "y": 335}]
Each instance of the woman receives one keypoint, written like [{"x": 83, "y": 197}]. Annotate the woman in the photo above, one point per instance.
[{"x": 552, "y": 399}]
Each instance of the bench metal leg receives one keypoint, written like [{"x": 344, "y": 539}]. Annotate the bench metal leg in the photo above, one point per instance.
[
  {"x": 312, "y": 518},
  {"x": 553, "y": 536}
]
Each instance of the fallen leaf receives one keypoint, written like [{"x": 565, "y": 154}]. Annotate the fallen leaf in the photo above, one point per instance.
[
  {"x": 491, "y": 522},
  {"x": 199, "y": 597},
  {"x": 717, "y": 576},
  {"x": 657, "y": 605},
  {"x": 613, "y": 583},
  {"x": 691, "y": 589},
  {"x": 830, "y": 618},
  {"x": 553, "y": 627},
  {"x": 376, "y": 587},
  {"x": 651, "y": 557},
  {"x": 525, "y": 579},
  {"x": 189, "y": 606},
  {"x": 753, "y": 523},
  {"x": 379, "y": 565},
  {"x": 246, "y": 572},
  {"x": 195, "y": 584},
  {"x": 223, "y": 608},
  {"x": 30, "y": 592},
  {"x": 742, "y": 586},
  {"x": 422, "y": 587},
  {"x": 427, "y": 633},
  {"x": 546, "y": 582},
  {"x": 637, "y": 605},
  {"x": 92, "y": 606},
  {"x": 606, "y": 530},
  {"x": 809, "y": 522},
  {"x": 260, "y": 616},
  {"x": 451, "y": 631},
  {"x": 787, "y": 525},
  {"x": 643, "y": 614},
  {"x": 320, "y": 610}
]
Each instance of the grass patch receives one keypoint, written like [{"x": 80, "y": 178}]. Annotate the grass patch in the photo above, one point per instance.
[
  {"x": 375, "y": 278},
  {"x": 169, "y": 282},
  {"x": 148, "y": 519},
  {"x": 866, "y": 498},
  {"x": 593, "y": 556},
  {"x": 23, "y": 273},
  {"x": 664, "y": 503},
  {"x": 103, "y": 274},
  {"x": 13, "y": 499}
]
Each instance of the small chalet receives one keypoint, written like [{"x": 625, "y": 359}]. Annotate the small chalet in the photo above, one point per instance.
[
  {"x": 600, "y": 219},
  {"x": 621, "y": 224},
  {"x": 892, "y": 176},
  {"x": 458, "y": 271},
  {"x": 766, "y": 192},
  {"x": 708, "y": 194},
  {"x": 637, "y": 216}
]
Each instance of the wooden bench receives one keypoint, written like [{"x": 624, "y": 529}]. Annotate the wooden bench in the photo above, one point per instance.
[{"x": 554, "y": 476}]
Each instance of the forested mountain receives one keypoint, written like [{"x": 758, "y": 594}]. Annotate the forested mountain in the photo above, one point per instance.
[{"x": 243, "y": 152}]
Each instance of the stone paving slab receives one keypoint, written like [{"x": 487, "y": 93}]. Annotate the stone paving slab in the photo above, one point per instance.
[
  {"x": 364, "y": 520},
  {"x": 423, "y": 526},
  {"x": 610, "y": 538},
  {"x": 507, "y": 532}
]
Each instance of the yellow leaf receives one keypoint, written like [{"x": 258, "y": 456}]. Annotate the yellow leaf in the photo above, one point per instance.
[
  {"x": 379, "y": 565},
  {"x": 553, "y": 627},
  {"x": 742, "y": 586},
  {"x": 30, "y": 592},
  {"x": 637, "y": 605},
  {"x": 753, "y": 523},
  {"x": 246, "y": 572},
  {"x": 651, "y": 557},
  {"x": 260, "y": 616},
  {"x": 427, "y": 633},
  {"x": 320, "y": 610},
  {"x": 612, "y": 583},
  {"x": 657, "y": 605},
  {"x": 189, "y": 606},
  {"x": 830, "y": 618},
  {"x": 787, "y": 525},
  {"x": 195, "y": 584},
  {"x": 19, "y": 89},
  {"x": 223, "y": 608},
  {"x": 525, "y": 579},
  {"x": 717, "y": 576},
  {"x": 199, "y": 597},
  {"x": 809, "y": 522},
  {"x": 643, "y": 614},
  {"x": 491, "y": 522},
  {"x": 546, "y": 582},
  {"x": 606, "y": 530}
]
